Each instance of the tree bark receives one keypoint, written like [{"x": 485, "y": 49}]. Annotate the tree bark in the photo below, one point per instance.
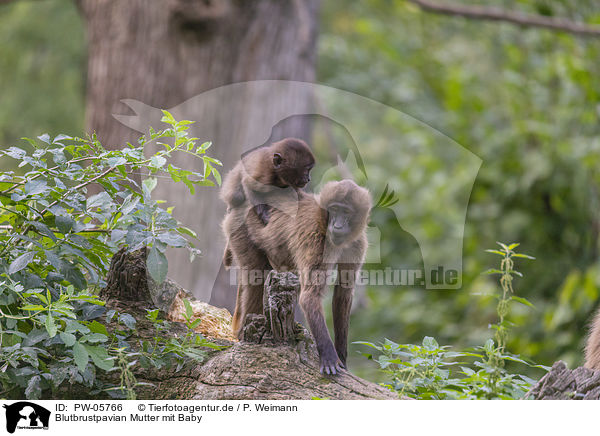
[
  {"x": 164, "y": 52},
  {"x": 562, "y": 383},
  {"x": 127, "y": 278}
]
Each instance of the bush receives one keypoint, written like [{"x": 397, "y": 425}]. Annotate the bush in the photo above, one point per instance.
[{"x": 57, "y": 244}]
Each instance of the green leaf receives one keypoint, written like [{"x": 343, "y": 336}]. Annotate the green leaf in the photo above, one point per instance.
[
  {"x": 129, "y": 204},
  {"x": 43, "y": 229},
  {"x": 33, "y": 390},
  {"x": 122, "y": 170},
  {"x": 515, "y": 359},
  {"x": 34, "y": 336},
  {"x": 157, "y": 161},
  {"x": 189, "y": 311},
  {"x": 110, "y": 315},
  {"x": 61, "y": 137},
  {"x": 76, "y": 326},
  {"x": 172, "y": 239},
  {"x": 117, "y": 235},
  {"x": 100, "y": 357},
  {"x": 525, "y": 256},
  {"x": 187, "y": 182},
  {"x": 213, "y": 160},
  {"x": 167, "y": 117},
  {"x": 128, "y": 320},
  {"x": 35, "y": 187},
  {"x": 53, "y": 258},
  {"x": 96, "y": 327},
  {"x": 489, "y": 345},
  {"x": 467, "y": 371},
  {"x": 174, "y": 172},
  {"x": 33, "y": 307},
  {"x": 21, "y": 262},
  {"x": 50, "y": 326},
  {"x": 203, "y": 147},
  {"x": 430, "y": 343},
  {"x": 195, "y": 323},
  {"x": 101, "y": 200},
  {"x": 16, "y": 152},
  {"x": 187, "y": 231},
  {"x": 217, "y": 176},
  {"x": 149, "y": 184},
  {"x": 152, "y": 315},
  {"x": 44, "y": 138},
  {"x": 68, "y": 338},
  {"x": 81, "y": 356},
  {"x": 157, "y": 265},
  {"x": 522, "y": 301},
  {"x": 115, "y": 161},
  {"x": 64, "y": 224},
  {"x": 94, "y": 337},
  {"x": 496, "y": 252}
]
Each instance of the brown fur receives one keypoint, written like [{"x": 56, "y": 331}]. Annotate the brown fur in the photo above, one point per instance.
[
  {"x": 257, "y": 179},
  {"x": 299, "y": 240},
  {"x": 592, "y": 347}
]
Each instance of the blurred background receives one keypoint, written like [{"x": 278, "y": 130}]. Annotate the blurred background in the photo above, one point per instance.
[{"x": 523, "y": 99}]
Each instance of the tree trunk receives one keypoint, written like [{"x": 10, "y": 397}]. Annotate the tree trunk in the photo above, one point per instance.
[{"x": 162, "y": 53}]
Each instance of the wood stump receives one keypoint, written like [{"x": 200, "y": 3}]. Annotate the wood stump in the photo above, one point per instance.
[
  {"x": 276, "y": 325},
  {"x": 127, "y": 278}
]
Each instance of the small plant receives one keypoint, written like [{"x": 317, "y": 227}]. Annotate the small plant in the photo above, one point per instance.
[
  {"x": 157, "y": 353},
  {"x": 56, "y": 243},
  {"x": 127, "y": 380},
  {"x": 495, "y": 353},
  {"x": 426, "y": 371},
  {"x": 419, "y": 371}
]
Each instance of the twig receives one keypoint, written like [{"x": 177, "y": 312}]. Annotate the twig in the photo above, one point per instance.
[
  {"x": 496, "y": 14},
  {"x": 78, "y": 187},
  {"x": 46, "y": 171}
]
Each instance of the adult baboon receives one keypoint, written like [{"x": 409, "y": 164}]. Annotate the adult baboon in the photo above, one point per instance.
[{"x": 325, "y": 233}]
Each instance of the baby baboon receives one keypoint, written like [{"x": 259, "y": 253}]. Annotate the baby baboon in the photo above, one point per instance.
[
  {"x": 327, "y": 230},
  {"x": 267, "y": 175}
]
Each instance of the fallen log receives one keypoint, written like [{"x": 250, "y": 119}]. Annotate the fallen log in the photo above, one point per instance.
[{"x": 276, "y": 359}]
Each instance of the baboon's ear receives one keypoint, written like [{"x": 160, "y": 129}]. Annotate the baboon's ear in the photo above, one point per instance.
[{"x": 277, "y": 160}]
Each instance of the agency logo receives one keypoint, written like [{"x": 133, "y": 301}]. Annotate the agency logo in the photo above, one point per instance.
[
  {"x": 422, "y": 177},
  {"x": 26, "y": 415}
]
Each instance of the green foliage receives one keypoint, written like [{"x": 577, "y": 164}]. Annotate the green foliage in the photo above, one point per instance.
[
  {"x": 524, "y": 100},
  {"x": 430, "y": 371},
  {"x": 56, "y": 246}
]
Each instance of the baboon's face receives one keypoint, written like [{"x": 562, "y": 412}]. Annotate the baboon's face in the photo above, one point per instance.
[
  {"x": 294, "y": 169},
  {"x": 339, "y": 222}
]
